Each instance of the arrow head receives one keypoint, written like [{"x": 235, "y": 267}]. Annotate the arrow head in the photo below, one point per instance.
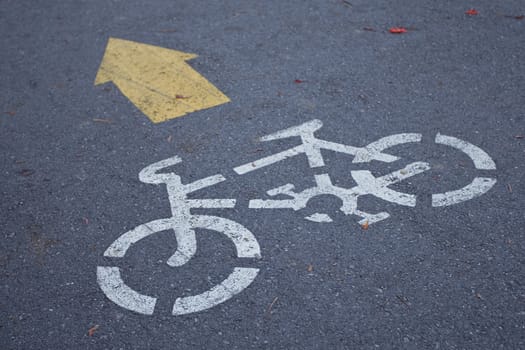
[
  {"x": 156, "y": 80},
  {"x": 125, "y": 53}
]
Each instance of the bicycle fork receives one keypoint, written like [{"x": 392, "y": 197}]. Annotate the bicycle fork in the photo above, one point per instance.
[{"x": 183, "y": 222}]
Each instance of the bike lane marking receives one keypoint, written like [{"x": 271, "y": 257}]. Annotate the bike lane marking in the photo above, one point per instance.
[
  {"x": 183, "y": 223},
  {"x": 480, "y": 158},
  {"x": 111, "y": 283},
  {"x": 311, "y": 146},
  {"x": 236, "y": 282},
  {"x": 156, "y": 80},
  {"x": 368, "y": 184},
  {"x": 476, "y": 188}
]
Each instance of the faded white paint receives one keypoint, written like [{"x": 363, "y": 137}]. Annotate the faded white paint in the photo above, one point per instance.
[
  {"x": 366, "y": 154},
  {"x": 181, "y": 205},
  {"x": 319, "y": 217},
  {"x": 477, "y": 187},
  {"x": 236, "y": 282},
  {"x": 312, "y": 146},
  {"x": 366, "y": 184},
  {"x": 480, "y": 158},
  {"x": 183, "y": 225},
  {"x": 245, "y": 242},
  {"x": 117, "y": 291}
]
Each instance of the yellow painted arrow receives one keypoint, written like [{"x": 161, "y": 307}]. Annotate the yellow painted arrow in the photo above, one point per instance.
[{"x": 156, "y": 80}]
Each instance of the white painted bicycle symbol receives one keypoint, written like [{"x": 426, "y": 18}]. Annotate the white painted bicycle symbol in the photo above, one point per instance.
[{"x": 183, "y": 223}]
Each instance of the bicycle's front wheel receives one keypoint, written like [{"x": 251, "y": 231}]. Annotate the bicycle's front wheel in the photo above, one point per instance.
[{"x": 112, "y": 284}]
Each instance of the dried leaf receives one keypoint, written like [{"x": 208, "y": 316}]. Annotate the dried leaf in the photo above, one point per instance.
[
  {"x": 92, "y": 330},
  {"x": 519, "y": 136},
  {"x": 170, "y": 138},
  {"x": 365, "y": 225},
  {"x": 86, "y": 221},
  {"x": 520, "y": 17},
  {"x": 10, "y": 113},
  {"x": 26, "y": 172},
  {"x": 397, "y": 30},
  {"x": 472, "y": 12},
  {"x": 181, "y": 97},
  {"x": 369, "y": 29},
  {"x": 310, "y": 268}
]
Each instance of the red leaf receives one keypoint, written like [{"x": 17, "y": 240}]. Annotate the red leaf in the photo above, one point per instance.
[
  {"x": 472, "y": 12},
  {"x": 397, "y": 30},
  {"x": 92, "y": 330},
  {"x": 298, "y": 81}
]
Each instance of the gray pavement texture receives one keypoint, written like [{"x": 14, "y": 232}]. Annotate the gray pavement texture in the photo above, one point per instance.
[{"x": 426, "y": 278}]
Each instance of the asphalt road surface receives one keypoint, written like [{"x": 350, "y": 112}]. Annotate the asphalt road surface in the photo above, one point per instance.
[{"x": 416, "y": 242}]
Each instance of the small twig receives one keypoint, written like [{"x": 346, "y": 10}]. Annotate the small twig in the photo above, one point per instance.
[
  {"x": 509, "y": 187},
  {"x": 520, "y": 17},
  {"x": 99, "y": 120},
  {"x": 92, "y": 330},
  {"x": 402, "y": 299},
  {"x": 347, "y": 3},
  {"x": 269, "y": 310}
]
